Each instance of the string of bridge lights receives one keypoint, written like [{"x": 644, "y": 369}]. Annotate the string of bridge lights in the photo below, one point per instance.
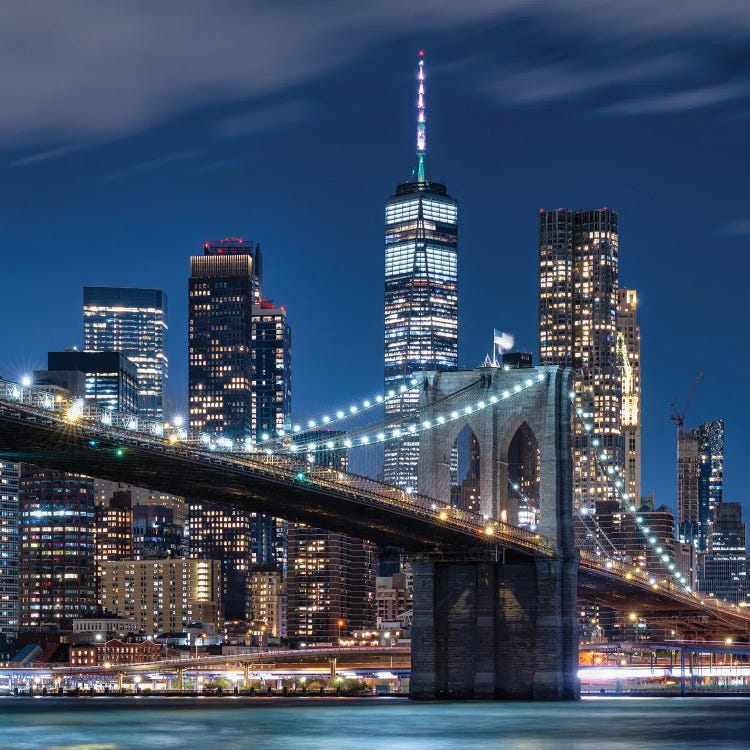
[
  {"x": 612, "y": 471},
  {"x": 415, "y": 428},
  {"x": 341, "y": 415}
]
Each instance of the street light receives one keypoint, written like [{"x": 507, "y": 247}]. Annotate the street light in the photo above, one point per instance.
[
  {"x": 341, "y": 624},
  {"x": 202, "y": 635},
  {"x": 633, "y": 617}
]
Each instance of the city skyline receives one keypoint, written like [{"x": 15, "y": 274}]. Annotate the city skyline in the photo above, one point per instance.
[{"x": 497, "y": 272}]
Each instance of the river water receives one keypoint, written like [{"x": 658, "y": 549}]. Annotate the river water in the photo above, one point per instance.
[{"x": 379, "y": 724}]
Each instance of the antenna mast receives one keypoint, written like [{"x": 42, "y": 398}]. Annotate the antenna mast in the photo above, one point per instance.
[{"x": 421, "y": 121}]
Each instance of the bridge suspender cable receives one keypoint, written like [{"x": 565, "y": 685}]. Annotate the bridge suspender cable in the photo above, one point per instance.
[
  {"x": 414, "y": 428},
  {"x": 612, "y": 474}
]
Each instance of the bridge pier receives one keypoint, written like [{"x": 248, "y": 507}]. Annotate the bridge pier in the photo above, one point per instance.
[{"x": 489, "y": 630}]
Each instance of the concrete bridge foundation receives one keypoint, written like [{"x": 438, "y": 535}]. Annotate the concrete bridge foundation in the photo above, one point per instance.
[{"x": 485, "y": 630}]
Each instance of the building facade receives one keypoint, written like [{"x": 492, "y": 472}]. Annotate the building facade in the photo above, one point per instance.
[
  {"x": 224, "y": 285},
  {"x": 629, "y": 361},
  {"x": 9, "y": 548},
  {"x": 268, "y": 601},
  {"x": 57, "y": 531},
  {"x": 723, "y": 571},
  {"x": 239, "y": 387},
  {"x": 578, "y": 299},
  {"x": 134, "y": 322},
  {"x": 700, "y": 481},
  {"x": 113, "y": 535},
  {"x": 163, "y": 595},
  {"x": 272, "y": 371},
  {"x": 421, "y": 295},
  {"x": 330, "y": 585},
  {"x": 110, "y": 378}
]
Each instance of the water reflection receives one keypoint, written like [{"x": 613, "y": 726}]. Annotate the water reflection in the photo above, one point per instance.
[{"x": 279, "y": 724}]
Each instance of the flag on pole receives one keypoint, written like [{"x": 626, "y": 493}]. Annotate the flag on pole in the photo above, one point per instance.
[{"x": 503, "y": 341}]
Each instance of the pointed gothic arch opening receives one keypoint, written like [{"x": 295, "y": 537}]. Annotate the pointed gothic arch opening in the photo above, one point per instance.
[
  {"x": 524, "y": 476},
  {"x": 465, "y": 471}
]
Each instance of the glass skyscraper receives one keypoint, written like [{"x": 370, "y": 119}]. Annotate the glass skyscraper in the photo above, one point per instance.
[
  {"x": 134, "y": 322},
  {"x": 272, "y": 370},
  {"x": 700, "y": 481},
  {"x": 240, "y": 387},
  {"x": 110, "y": 378},
  {"x": 421, "y": 294},
  {"x": 224, "y": 285},
  {"x": 57, "y": 551}
]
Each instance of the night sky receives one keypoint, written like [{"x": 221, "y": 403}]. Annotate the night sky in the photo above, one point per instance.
[{"x": 131, "y": 134}]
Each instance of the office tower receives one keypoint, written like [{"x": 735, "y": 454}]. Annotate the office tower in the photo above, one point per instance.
[
  {"x": 330, "y": 584},
  {"x": 57, "y": 552},
  {"x": 578, "y": 276},
  {"x": 272, "y": 370},
  {"x": 224, "y": 285},
  {"x": 268, "y": 601},
  {"x": 237, "y": 392},
  {"x": 723, "y": 571},
  {"x": 700, "y": 480},
  {"x": 629, "y": 361},
  {"x": 110, "y": 378},
  {"x": 9, "y": 550},
  {"x": 421, "y": 294},
  {"x": 134, "y": 322},
  {"x": 219, "y": 532},
  {"x": 162, "y": 595}
]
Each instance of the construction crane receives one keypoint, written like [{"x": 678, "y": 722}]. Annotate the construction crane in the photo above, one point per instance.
[{"x": 678, "y": 417}]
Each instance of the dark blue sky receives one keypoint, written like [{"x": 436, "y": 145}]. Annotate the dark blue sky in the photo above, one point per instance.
[{"x": 129, "y": 136}]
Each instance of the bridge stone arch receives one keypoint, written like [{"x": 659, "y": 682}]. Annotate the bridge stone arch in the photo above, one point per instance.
[{"x": 543, "y": 407}]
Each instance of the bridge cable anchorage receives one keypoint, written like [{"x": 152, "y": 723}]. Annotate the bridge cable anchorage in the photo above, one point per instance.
[
  {"x": 364, "y": 436},
  {"x": 612, "y": 474}
]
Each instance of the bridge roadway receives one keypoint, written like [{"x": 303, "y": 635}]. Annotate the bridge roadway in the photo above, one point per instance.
[{"x": 328, "y": 499}]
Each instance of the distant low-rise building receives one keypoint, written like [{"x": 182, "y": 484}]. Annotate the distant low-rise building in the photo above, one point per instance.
[
  {"x": 114, "y": 652},
  {"x": 102, "y": 629}
]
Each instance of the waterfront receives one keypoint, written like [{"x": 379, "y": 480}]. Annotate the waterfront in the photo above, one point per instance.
[{"x": 280, "y": 724}]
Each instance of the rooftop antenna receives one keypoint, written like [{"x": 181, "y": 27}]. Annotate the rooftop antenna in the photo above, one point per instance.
[{"x": 421, "y": 121}]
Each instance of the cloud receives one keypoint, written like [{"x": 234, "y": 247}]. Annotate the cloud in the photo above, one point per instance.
[
  {"x": 150, "y": 165},
  {"x": 47, "y": 155},
  {"x": 101, "y": 69},
  {"x": 680, "y": 101},
  {"x": 540, "y": 84},
  {"x": 737, "y": 228},
  {"x": 260, "y": 119}
]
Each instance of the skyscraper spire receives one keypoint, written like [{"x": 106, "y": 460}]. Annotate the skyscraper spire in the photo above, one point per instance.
[{"x": 421, "y": 123}]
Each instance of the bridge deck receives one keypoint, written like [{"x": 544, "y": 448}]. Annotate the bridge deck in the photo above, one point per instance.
[{"x": 326, "y": 498}]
